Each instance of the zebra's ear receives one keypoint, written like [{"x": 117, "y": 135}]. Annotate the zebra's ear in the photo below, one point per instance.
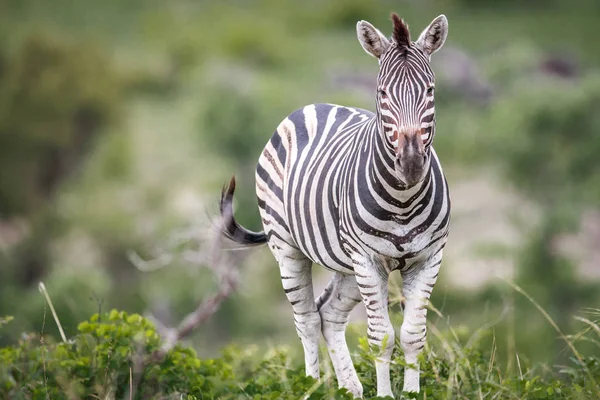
[
  {"x": 371, "y": 39},
  {"x": 434, "y": 36}
]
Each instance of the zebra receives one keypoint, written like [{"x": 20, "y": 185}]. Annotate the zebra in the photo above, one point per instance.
[{"x": 362, "y": 194}]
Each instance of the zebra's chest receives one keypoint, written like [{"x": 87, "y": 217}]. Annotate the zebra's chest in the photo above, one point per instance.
[
  {"x": 409, "y": 242},
  {"x": 408, "y": 238}
]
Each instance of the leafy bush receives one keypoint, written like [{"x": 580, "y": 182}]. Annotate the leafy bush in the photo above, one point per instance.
[
  {"x": 115, "y": 352},
  {"x": 102, "y": 360}
]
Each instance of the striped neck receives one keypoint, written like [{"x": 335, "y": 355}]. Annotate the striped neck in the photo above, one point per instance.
[{"x": 381, "y": 167}]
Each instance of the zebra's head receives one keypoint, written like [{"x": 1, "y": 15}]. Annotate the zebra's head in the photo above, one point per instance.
[{"x": 405, "y": 92}]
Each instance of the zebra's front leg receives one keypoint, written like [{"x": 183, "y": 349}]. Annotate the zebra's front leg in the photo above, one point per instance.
[
  {"x": 416, "y": 287},
  {"x": 297, "y": 283},
  {"x": 335, "y": 304},
  {"x": 372, "y": 280}
]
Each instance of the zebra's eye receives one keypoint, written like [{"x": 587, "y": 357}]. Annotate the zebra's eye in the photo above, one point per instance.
[
  {"x": 382, "y": 93},
  {"x": 430, "y": 90}
]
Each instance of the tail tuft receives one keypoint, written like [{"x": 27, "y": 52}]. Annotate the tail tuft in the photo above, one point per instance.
[{"x": 230, "y": 227}]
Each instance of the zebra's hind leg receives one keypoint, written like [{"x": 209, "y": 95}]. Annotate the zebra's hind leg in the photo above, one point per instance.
[
  {"x": 335, "y": 304},
  {"x": 297, "y": 283}
]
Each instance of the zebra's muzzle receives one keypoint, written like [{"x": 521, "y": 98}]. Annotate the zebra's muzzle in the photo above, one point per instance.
[{"x": 411, "y": 160}]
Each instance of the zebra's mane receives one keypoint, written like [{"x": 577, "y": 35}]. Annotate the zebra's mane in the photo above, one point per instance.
[{"x": 401, "y": 33}]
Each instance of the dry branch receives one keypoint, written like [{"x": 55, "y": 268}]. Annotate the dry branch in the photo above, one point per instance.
[{"x": 207, "y": 250}]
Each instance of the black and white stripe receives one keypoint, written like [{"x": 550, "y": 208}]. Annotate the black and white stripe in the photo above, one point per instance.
[{"x": 361, "y": 194}]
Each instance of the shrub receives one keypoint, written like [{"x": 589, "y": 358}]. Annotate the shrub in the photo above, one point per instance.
[
  {"x": 110, "y": 353},
  {"x": 116, "y": 351}
]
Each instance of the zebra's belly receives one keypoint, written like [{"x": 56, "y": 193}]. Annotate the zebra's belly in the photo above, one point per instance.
[{"x": 316, "y": 233}]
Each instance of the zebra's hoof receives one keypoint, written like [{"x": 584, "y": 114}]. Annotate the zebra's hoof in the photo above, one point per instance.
[{"x": 355, "y": 390}]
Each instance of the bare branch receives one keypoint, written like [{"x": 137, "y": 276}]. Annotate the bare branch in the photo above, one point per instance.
[{"x": 198, "y": 247}]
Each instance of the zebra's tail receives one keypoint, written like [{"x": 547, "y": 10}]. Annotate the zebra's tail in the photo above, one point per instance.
[{"x": 230, "y": 228}]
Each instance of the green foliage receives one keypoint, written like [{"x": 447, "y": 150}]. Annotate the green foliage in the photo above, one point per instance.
[
  {"x": 114, "y": 352},
  {"x": 550, "y": 147},
  {"x": 345, "y": 14},
  {"x": 102, "y": 359},
  {"x": 190, "y": 66},
  {"x": 55, "y": 96},
  {"x": 58, "y": 96},
  {"x": 238, "y": 138}
]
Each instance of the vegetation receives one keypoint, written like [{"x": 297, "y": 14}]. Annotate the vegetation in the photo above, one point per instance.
[
  {"x": 114, "y": 355},
  {"x": 120, "y": 121}
]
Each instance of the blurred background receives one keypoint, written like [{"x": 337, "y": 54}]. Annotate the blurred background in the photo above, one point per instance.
[{"x": 121, "y": 120}]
